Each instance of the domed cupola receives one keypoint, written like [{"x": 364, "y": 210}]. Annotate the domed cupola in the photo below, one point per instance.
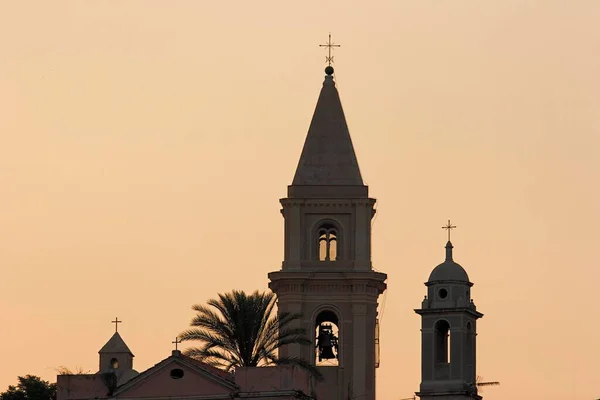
[
  {"x": 448, "y": 270},
  {"x": 448, "y": 285}
]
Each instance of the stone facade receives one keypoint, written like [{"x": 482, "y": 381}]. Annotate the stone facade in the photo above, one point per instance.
[{"x": 182, "y": 377}]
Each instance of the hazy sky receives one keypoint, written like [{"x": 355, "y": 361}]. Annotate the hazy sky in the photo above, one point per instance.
[{"x": 144, "y": 146}]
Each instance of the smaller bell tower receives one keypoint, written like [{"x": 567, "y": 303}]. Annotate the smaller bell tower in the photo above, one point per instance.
[
  {"x": 448, "y": 332},
  {"x": 116, "y": 358},
  {"x": 115, "y": 355}
]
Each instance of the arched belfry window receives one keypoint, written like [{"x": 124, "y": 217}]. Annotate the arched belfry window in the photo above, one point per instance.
[
  {"x": 327, "y": 339},
  {"x": 328, "y": 242},
  {"x": 442, "y": 342}
]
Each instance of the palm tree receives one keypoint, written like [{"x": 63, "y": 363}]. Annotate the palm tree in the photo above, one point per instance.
[{"x": 240, "y": 330}]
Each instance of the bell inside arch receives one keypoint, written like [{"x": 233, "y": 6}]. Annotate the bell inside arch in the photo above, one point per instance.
[{"x": 327, "y": 343}]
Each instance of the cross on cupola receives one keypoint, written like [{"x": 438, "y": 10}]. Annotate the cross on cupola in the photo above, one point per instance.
[
  {"x": 449, "y": 228},
  {"x": 116, "y": 322},
  {"x": 176, "y": 342}
]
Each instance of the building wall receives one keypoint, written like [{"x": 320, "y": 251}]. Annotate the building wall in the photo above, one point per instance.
[
  {"x": 80, "y": 387},
  {"x": 161, "y": 384},
  {"x": 272, "y": 378},
  {"x": 262, "y": 383}
]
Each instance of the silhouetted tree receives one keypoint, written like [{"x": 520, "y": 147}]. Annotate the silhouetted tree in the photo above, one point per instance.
[
  {"x": 241, "y": 330},
  {"x": 30, "y": 387}
]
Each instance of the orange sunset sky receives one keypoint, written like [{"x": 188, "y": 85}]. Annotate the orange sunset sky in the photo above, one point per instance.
[{"x": 144, "y": 146}]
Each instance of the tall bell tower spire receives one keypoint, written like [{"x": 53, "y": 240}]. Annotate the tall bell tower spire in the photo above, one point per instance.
[
  {"x": 328, "y": 157},
  {"x": 326, "y": 274}
]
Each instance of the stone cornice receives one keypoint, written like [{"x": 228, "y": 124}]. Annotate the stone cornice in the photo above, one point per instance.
[
  {"x": 291, "y": 202},
  {"x": 328, "y": 275},
  {"x": 457, "y": 310},
  {"x": 314, "y": 266},
  {"x": 368, "y": 283},
  {"x": 448, "y": 282}
]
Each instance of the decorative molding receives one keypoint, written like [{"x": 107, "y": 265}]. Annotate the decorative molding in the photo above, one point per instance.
[
  {"x": 337, "y": 203},
  {"x": 331, "y": 287},
  {"x": 449, "y": 311}
]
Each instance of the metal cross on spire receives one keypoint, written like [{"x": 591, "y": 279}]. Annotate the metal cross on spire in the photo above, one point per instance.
[
  {"x": 116, "y": 322},
  {"x": 449, "y": 228},
  {"x": 329, "y": 45},
  {"x": 176, "y": 342}
]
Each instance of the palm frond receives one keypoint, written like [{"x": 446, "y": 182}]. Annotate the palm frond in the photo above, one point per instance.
[{"x": 238, "y": 329}]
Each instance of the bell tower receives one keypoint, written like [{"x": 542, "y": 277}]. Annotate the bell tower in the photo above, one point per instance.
[
  {"x": 326, "y": 274},
  {"x": 448, "y": 332},
  {"x": 116, "y": 359}
]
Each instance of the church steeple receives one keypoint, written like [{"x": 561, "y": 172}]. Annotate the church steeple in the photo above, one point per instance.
[
  {"x": 328, "y": 157},
  {"x": 326, "y": 274}
]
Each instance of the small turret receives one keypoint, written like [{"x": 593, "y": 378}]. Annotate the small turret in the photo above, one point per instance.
[
  {"x": 116, "y": 358},
  {"x": 115, "y": 355},
  {"x": 448, "y": 326}
]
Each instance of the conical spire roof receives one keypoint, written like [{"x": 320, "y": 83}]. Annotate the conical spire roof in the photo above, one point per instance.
[
  {"x": 115, "y": 344},
  {"x": 328, "y": 157}
]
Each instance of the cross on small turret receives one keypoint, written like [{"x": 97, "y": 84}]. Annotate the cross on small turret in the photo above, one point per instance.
[
  {"x": 116, "y": 322},
  {"x": 176, "y": 342},
  {"x": 449, "y": 228}
]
